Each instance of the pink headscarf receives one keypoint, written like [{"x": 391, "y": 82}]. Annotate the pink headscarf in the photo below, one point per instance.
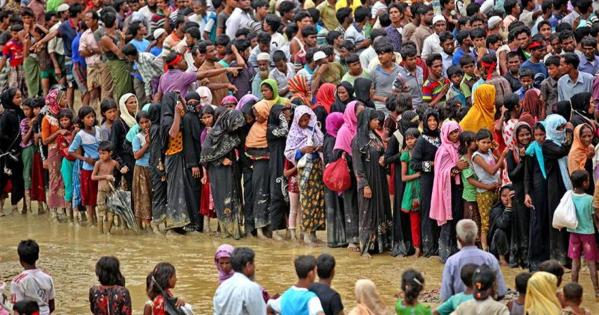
[
  {"x": 445, "y": 159},
  {"x": 333, "y": 122},
  {"x": 52, "y": 101},
  {"x": 223, "y": 251},
  {"x": 348, "y": 130},
  {"x": 228, "y": 99}
]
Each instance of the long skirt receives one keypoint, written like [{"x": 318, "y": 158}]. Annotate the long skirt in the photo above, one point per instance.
[
  {"x": 261, "y": 186},
  {"x": 27, "y": 157},
  {"x": 38, "y": 191},
  {"x": 76, "y": 177},
  {"x": 335, "y": 219},
  {"x": 17, "y": 190},
  {"x": 122, "y": 82},
  {"x": 158, "y": 194},
  {"x": 312, "y": 196},
  {"x": 176, "y": 210},
  {"x": 142, "y": 192},
  {"x": 248, "y": 199},
  {"x": 207, "y": 201},
  {"x": 227, "y": 199},
  {"x": 31, "y": 68},
  {"x": 56, "y": 194},
  {"x": 66, "y": 170},
  {"x": 447, "y": 237}
]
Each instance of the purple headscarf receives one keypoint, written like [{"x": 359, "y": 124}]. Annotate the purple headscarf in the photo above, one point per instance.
[
  {"x": 333, "y": 122},
  {"x": 298, "y": 137},
  {"x": 223, "y": 251},
  {"x": 244, "y": 100},
  {"x": 348, "y": 130}
]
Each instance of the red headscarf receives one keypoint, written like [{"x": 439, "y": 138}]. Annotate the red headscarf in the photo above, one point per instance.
[
  {"x": 298, "y": 86},
  {"x": 326, "y": 96}
]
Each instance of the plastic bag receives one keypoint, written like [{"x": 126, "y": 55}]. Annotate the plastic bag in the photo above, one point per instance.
[
  {"x": 565, "y": 213},
  {"x": 336, "y": 175}
]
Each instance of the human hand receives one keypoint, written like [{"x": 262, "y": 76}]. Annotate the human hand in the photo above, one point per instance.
[
  {"x": 367, "y": 192},
  {"x": 232, "y": 88},
  {"x": 307, "y": 149},
  {"x": 204, "y": 180},
  {"x": 528, "y": 201},
  {"x": 109, "y": 178},
  {"x": 180, "y": 302},
  {"x": 462, "y": 165},
  {"x": 227, "y": 162},
  {"x": 63, "y": 132},
  {"x": 124, "y": 169},
  {"x": 89, "y": 161},
  {"x": 195, "y": 172},
  {"x": 382, "y": 161},
  {"x": 57, "y": 71},
  {"x": 233, "y": 70}
]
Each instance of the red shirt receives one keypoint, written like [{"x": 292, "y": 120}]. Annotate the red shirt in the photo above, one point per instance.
[{"x": 13, "y": 50}]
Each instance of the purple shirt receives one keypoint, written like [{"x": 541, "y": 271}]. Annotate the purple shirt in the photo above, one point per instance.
[
  {"x": 452, "y": 283},
  {"x": 24, "y": 126},
  {"x": 176, "y": 80}
]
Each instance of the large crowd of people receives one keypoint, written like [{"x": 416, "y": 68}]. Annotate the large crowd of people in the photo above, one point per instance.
[{"x": 383, "y": 122}]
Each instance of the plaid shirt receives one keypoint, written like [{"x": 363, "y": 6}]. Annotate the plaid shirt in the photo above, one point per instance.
[{"x": 149, "y": 67}]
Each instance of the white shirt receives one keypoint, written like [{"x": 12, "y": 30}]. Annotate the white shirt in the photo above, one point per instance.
[
  {"x": 366, "y": 56},
  {"x": 431, "y": 45},
  {"x": 238, "y": 295},
  {"x": 145, "y": 10},
  {"x": 238, "y": 19},
  {"x": 33, "y": 285},
  {"x": 55, "y": 45}
]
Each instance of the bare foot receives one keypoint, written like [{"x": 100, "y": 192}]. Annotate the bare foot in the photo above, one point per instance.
[
  {"x": 502, "y": 261},
  {"x": 418, "y": 253}
]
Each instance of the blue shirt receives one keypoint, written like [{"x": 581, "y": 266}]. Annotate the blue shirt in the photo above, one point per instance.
[
  {"x": 156, "y": 51},
  {"x": 89, "y": 143},
  {"x": 566, "y": 88},
  {"x": 137, "y": 145},
  {"x": 457, "y": 55},
  {"x": 584, "y": 213},
  {"x": 590, "y": 67},
  {"x": 76, "y": 56},
  {"x": 140, "y": 45},
  {"x": 535, "y": 67},
  {"x": 67, "y": 32}
]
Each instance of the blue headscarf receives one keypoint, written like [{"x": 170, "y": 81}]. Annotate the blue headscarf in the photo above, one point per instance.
[
  {"x": 535, "y": 149},
  {"x": 134, "y": 130},
  {"x": 552, "y": 123}
]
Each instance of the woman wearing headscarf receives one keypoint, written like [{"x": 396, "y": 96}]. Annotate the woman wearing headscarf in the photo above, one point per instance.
[
  {"x": 343, "y": 95},
  {"x": 535, "y": 198},
  {"x": 344, "y": 138},
  {"x": 299, "y": 89},
  {"x": 122, "y": 150},
  {"x": 364, "y": 91},
  {"x": 533, "y": 105},
  {"x": 222, "y": 261},
  {"x": 304, "y": 143},
  {"x": 482, "y": 113},
  {"x": 368, "y": 300},
  {"x": 371, "y": 175},
  {"x": 446, "y": 199},
  {"x": 582, "y": 152},
  {"x": 582, "y": 110},
  {"x": 402, "y": 239},
  {"x": 333, "y": 201},
  {"x": 10, "y": 148},
  {"x": 192, "y": 132},
  {"x": 205, "y": 95},
  {"x": 246, "y": 164},
  {"x": 540, "y": 295},
  {"x": 229, "y": 101},
  {"x": 218, "y": 155},
  {"x": 157, "y": 171},
  {"x": 55, "y": 101},
  {"x": 564, "y": 109},
  {"x": 278, "y": 128},
  {"x": 515, "y": 167},
  {"x": 325, "y": 97},
  {"x": 423, "y": 158},
  {"x": 244, "y": 100},
  {"x": 555, "y": 151}
]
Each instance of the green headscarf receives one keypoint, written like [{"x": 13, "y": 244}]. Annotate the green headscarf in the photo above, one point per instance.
[{"x": 275, "y": 91}]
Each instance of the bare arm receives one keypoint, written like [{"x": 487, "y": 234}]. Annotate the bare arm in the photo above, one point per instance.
[
  {"x": 176, "y": 126},
  {"x": 404, "y": 173},
  {"x": 486, "y": 167}
]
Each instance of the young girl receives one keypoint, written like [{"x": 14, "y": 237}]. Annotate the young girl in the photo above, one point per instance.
[
  {"x": 206, "y": 201},
  {"x": 65, "y": 120},
  {"x": 164, "y": 279},
  {"x": 109, "y": 111},
  {"x": 412, "y": 283},
  {"x": 467, "y": 148},
  {"x": 87, "y": 138},
  {"x": 38, "y": 189},
  {"x": 411, "y": 197},
  {"x": 110, "y": 296},
  {"x": 28, "y": 148},
  {"x": 500, "y": 221},
  {"x": 295, "y": 212},
  {"x": 487, "y": 170},
  {"x": 333, "y": 201},
  {"x": 142, "y": 185},
  {"x": 151, "y": 296}
]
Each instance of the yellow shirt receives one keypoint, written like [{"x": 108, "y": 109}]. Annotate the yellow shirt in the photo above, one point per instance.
[
  {"x": 328, "y": 15},
  {"x": 343, "y": 3}
]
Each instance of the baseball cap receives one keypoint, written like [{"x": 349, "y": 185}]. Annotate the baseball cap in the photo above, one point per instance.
[
  {"x": 63, "y": 7},
  {"x": 319, "y": 55},
  {"x": 494, "y": 21},
  {"x": 158, "y": 32}
]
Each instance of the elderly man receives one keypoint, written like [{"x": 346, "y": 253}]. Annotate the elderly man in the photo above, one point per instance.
[
  {"x": 469, "y": 254},
  {"x": 240, "y": 295}
]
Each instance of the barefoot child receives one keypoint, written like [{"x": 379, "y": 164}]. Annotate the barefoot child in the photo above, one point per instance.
[
  {"x": 88, "y": 138},
  {"x": 65, "y": 121},
  {"x": 109, "y": 113},
  {"x": 411, "y": 197},
  {"x": 164, "y": 279},
  {"x": 455, "y": 300},
  {"x": 28, "y": 148},
  {"x": 573, "y": 294},
  {"x": 103, "y": 173},
  {"x": 516, "y": 306},
  {"x": 582, "y": 238},
  {"x": 295, "y": 212},
  {"x": 142, "y": 184},
  {"x": 206, "y": 201},
  {"x": 412, "y": 283}
]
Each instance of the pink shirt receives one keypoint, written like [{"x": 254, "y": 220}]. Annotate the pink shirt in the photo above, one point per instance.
[{"x": 88, "y": 41}]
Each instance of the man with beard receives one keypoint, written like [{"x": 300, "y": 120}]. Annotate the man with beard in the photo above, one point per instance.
[
  {"x": 219, "y": 84},
  {"x": 263, "y": 60},
  {"x": 424, "y": 30}
]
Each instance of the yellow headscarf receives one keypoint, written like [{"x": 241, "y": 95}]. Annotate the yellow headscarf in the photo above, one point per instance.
[
  {"x": 541, "y": 298},
  {"x": 482, "y": 113}
]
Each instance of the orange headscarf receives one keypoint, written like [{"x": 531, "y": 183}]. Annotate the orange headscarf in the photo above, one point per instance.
[
  {"x": 298, "y": 86},
  {"x": 577, "y": 158},
  {"x": 256, "y": 137},
  {"x": 482, "y": 113}
]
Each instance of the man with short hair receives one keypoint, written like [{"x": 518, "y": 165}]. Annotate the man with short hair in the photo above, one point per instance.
[
  {"x": 410, "y": 77},
  {"x": 329, "y": 298},
  {"x": 240, "y": 18},
  {"x": 424, "y": 30},
  {"x": 451, "y": 283},
  {"x": 432, "y": 43},
  {"x": 589, "y": 61},
  {"x": 572, "y": 81},
  {"x": 240, "y": 294}
]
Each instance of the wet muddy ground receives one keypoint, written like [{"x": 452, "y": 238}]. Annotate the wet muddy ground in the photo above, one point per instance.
[{"x": 69, "y": 254}]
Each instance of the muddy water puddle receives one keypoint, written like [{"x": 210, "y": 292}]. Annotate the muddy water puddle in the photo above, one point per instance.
[{"x": 69, "y": 254}]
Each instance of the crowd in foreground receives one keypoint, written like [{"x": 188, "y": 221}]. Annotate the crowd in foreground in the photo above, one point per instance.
[
  {"x": 279, "y": 119},
  {"x": 472, "y": 284}
]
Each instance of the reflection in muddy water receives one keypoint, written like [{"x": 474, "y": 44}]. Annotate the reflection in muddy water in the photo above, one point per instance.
[{"x": 69, "y": 254}]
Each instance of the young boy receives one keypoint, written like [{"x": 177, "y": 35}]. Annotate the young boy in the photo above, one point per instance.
[
  {"x": 582, "y": 238},
  {"x": 298, "y": 299},
  {"x": 329, "y": 298},
  {"x": 282, "y": 72},
  {"x": 436, "y": 86},
  {"x": 454, "y": 301},
  {"x": 26, "y": 307},
  {"x": 549, "y": 85},
  {"x": 517, "y": 306},
  {"x": 103, "y": 174},
  {"x": 484, "y": 290},
  {"x": 513, "y": 74},
  {"x": 469, "y": 67},
  {"x": 573, "y": 295},
  {"x": 526, "y": 81},
  {"x": 13, "y": 52},
  {"x": 355, "y": 69},
  {"x": 32, "y": 284},
  {"x": 455, "y": 75}
]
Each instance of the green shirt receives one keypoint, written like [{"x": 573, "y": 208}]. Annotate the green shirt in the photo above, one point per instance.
[
  {"x": 350, "y": 78},
  {"x": 584, "y": 214},
  {"x": 453, "y": 302},
  {"x": 469, "y": 192},
  {"x": 418, "y": 309}
]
